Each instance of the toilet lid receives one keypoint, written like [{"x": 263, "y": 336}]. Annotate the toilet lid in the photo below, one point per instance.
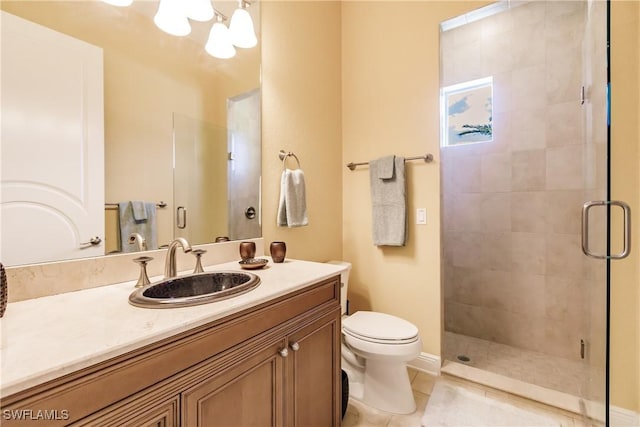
[{"x": 379, "y": 327}]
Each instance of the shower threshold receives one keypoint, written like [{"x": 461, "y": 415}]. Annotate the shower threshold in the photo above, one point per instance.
[{"x": 547, "y": 379}]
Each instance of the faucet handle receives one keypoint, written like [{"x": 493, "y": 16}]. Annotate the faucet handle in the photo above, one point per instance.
[
  {"x": 143, "y": 279},
  {"x": 198, "y": 253}
]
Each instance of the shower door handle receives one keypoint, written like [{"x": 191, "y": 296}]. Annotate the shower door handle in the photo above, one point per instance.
[
  {"x": 181, "y": 224},
  {"x": 627, "y": 229}
]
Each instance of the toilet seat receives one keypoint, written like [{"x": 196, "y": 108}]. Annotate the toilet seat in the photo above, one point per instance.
[{"x": 380, "y": 328}]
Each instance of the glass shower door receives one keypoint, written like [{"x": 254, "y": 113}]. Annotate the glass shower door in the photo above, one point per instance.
[{"x": 514, "y": 271}]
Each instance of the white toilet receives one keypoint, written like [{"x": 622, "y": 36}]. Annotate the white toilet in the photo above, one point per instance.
[{"x": 375, "y": 350}]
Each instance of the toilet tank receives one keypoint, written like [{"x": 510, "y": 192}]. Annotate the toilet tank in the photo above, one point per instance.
[{"x": 344, "y": 283}]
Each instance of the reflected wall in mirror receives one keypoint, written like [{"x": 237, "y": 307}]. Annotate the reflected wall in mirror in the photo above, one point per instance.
[{"x": 147, "y": 77}]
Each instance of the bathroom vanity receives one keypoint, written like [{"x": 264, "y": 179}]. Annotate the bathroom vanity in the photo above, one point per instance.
[{"x": 270, "y": 357}]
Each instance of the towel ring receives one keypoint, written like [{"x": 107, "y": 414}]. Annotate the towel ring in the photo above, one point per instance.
[{"x": 283, "y": 156}]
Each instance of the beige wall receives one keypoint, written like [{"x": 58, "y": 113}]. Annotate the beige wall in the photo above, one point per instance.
[
  {"x": 625, "y": 182},
  {"x": 301, "y": 113}
]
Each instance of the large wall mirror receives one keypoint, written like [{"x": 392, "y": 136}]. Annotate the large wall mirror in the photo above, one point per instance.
[{"x": 181, "y": 128}]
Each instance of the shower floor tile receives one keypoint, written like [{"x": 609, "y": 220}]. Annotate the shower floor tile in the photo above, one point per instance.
[{"x": 551, "y": 372}]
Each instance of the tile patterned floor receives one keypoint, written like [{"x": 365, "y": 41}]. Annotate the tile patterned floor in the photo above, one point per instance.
[
  {"x": 360, "y": 415},
  {"x": 551, "y": 372}
]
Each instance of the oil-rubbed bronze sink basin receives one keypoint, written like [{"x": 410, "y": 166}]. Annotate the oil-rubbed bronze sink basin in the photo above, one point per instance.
[{"x": 194, "y": 289}]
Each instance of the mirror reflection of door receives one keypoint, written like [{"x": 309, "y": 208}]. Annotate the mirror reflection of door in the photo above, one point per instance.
[
  {"x": 243, "y": 122},
  {"x": 52, "y": 198},
  {"x": 200, "y": 180}
]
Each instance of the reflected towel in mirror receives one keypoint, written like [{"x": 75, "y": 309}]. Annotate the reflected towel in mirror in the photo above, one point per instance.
[{"x": 129, "y": 224}]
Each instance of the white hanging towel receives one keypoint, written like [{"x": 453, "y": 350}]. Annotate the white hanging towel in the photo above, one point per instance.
[
  {"x": 389, "y": 201},
  {"x": 292, "y": 208}
]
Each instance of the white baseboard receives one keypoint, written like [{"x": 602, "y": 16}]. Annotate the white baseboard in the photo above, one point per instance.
[
  {"x": 426, "y": 362},
  {"x": 620, "y": 417}
]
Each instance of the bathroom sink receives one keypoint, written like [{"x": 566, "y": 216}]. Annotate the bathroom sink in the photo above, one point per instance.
[{"x": 194, "y": 289}]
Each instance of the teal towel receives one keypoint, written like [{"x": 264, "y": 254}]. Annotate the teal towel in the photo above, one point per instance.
[{"x": 145, "y": 227}]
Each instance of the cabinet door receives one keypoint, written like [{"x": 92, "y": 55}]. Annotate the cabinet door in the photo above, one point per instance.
[
  {"x": 140, "y": 411},
  {"x": 313, "y": 371},
  {"x": 246, "y": 394}
]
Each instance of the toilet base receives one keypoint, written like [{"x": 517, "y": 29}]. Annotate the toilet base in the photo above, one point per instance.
[{"x": 387, "y": 387}]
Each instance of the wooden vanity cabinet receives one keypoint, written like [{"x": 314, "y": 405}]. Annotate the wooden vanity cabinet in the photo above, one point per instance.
[{"x": 277, "y": 364}]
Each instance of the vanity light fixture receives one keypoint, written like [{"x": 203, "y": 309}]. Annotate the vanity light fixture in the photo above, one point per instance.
[
  {"x": 119, "y": 2},
  {"x": 199, "y": 10},
  {"x": 219, "y": 43},
  {"x": 241, "y": 27},
  {"x": 171, "y": 18}
]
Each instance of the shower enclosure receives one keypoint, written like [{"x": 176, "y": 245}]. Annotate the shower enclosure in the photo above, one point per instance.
[{"x": 524, "y": 146}]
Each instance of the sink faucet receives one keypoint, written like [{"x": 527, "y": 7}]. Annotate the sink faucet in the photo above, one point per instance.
[
  {"x": 170, "y": 262},
  {"x": 139, "y": 240}
]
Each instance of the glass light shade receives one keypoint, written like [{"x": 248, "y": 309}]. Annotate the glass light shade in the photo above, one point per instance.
[
  {"x": 219, "y": 43},
  {"x": 119, "y": 2},
  {"x": 199, "y": 10},
  {"x": 241, "y": 29},
  {"x": 171, "y": 18}
]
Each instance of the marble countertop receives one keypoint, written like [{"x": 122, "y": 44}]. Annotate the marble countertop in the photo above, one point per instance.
[{"x": 45, "y": 338}]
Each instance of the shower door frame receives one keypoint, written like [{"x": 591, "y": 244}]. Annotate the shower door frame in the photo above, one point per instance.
[{"x": 594, "y": 395}]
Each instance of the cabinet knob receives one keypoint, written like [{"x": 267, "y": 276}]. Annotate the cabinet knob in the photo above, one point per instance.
[
  {"x": 295, "y": 346},
  {"x": 284, "y": 352}
]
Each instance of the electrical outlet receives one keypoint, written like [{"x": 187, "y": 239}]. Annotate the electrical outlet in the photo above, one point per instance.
[{"x": 421, "y": 216}]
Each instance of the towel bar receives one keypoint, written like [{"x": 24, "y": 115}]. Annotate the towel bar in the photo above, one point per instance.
[
  {"x": 115, "y": 205},
  {"x": 283, "y": 156},
  {"x": 428, "y": 158}
]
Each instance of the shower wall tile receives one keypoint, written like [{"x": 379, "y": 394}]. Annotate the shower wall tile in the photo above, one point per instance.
[
  {"x": 466, "y": 216},
  {"x": 529, "y": 14},
  {"x": 529, "y": 46},
  {"x": 497, "y": 54},
  {"x": 495, "y": 172},
  {"x": 497, "y": 251},
  {"x": 528, "y": 88},
  {"x": 495, "y": 212},
  {"x": 502, "y": 134},
  {"x": 521, "y": 331},
  {"x": 528, "y": 212},
  {"x": 563, "y": 211},
  {"x": 526, "y": 129},
  {"x": 528, "y": 253},
  {"x": 526, "y": 295},
  {"x": 561, "y": 124},
  {"x": 465, "y": 61},
  {"x": 448, "y": 278},
  {"x": 562, "y": 339},
  {"x": 565, "y": 168},
  {"x": 467, "y": 249},
  {"x": 467, "y": 174},
  {"x": 564, "y": 256},
  {"x": 528, "y": 170},
  {"x": 499, "y": 25},
  {"x": 563, "y": 80},
  {"x": 502, "y": 89},
  {"x": 475, "y": 321},
  {"x": 467, "y": 286},
  {"x": 481, "y": 287},
  {"x": 494, "y": 286},
  {"x": 566, "y": 299}
]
